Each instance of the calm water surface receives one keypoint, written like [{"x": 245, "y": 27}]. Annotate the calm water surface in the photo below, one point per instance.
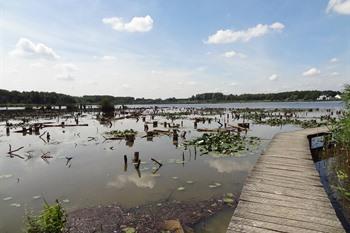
[{"x": 96, "y": 174}]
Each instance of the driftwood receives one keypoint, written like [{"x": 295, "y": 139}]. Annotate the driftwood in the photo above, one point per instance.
[
  {"x": 238, "y": 127},
  {"x": 65, "y": 125},
  {"x": 159, "y": 163},
  {"x": 12, "y": 154}
]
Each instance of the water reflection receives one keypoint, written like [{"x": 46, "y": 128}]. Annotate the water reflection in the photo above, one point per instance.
[
  {"x": 228, "y": 166},
  {"x": 145, "y": 181}
]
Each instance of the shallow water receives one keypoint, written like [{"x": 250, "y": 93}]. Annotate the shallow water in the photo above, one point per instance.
[{"x": 96, "y": 173}]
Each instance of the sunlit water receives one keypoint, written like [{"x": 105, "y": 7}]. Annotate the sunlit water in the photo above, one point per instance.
[{"x": 96, "y": 175}]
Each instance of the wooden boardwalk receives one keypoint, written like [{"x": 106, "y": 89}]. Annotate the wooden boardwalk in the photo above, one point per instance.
[{"x": 283, "y": 192}]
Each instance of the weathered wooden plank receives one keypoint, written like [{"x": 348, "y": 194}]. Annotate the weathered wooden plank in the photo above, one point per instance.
[
  {"x": 283, "y": 193},
  {"x": 287, "y": 198},
  {"x": 280, "y": 204},
  {"x": 293, "y": 185},
  {"x": 269, "y": 226},
  {"x": 320, "y": 220},
  {"x": 285, "y": 179},
  {"x": 287, "y": 222}
]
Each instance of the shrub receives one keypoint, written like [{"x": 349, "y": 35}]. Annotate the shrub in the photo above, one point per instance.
[
  {"x": 107, "y": 105},
  {"x": 52, "y": 219}
]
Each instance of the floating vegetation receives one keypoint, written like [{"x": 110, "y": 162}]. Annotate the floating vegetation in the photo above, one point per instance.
[
  {"x": 15, "y": 205},
  {"x": 121, "y": 133},
  {"x": 7, "y": 198},
  {"x": 6, "y": 176},
  {"x": 223, "y": 143},
  {"x": 215, "y": 185}
]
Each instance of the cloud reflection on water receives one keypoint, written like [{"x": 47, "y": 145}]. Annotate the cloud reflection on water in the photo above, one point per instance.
[{"x": 146, "y": 181}]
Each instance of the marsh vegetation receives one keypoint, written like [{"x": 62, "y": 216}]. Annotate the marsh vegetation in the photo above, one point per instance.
[{"x": 140, "y": 160}]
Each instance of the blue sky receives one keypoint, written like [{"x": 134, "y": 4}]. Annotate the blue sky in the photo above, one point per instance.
[{"x": 174, "y": 48}]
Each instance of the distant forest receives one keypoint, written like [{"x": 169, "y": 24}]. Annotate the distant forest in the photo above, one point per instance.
[{"x": 52, "y": 98}]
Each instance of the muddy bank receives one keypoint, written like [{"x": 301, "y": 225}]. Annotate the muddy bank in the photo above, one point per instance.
[{"x": 148, "y": 218}]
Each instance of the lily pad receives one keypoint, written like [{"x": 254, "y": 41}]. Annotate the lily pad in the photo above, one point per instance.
[
  {"x": 7, "y": 198},
  {"x": 181, "y": 188},
  {"x": 228, "y": 200},
  {"x": 129, "y": 230},
  {"x": 15, "y": 205},
  {"x": 230, "y": 195}
]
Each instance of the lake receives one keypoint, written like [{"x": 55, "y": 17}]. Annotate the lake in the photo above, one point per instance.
[{"x": 95, "y": 174}]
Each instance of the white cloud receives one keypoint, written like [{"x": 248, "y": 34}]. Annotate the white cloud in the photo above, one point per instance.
[
  {"x": 66, "y": 67},
  {"x": 230, "y": 54},
  {"x": 333, "y": 60},
  {"x": 334, "y": 74},
  {"x": 66, "y": 71},
  {"x": 136, "y": 24},
  {"x": 37, "y": 65},
  {"x": 339, "y": 6},
  {"x": 311, "y": 72},
  {"x": 26, "y": 48},
  {"x": 277, "y": 26},
  {"x": 230, "y": 36},
  {"x": 108, "y": 58},
  {"x": 125, "y": 86},
  {"x": 273, "y": 77},
  {"x": 65, "y": 77}
]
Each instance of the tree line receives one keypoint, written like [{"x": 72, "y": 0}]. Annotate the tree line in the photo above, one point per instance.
[{"x": 53, "y": 98}]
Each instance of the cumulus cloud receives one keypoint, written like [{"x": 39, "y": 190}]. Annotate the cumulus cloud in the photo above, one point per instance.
[
  {"x": 230, "y": 54},
  {"x": 65, "y": 77},
  {"x": 339, "y": 6},
  {"x": 27, "y": 48},
  {"x": 66, "y": 67},
  {"x": 230, "y": 36},
  {"x": 273, "y": 77},
  {"x": 108, "y": 58},
  {"x": 333, "y": 60},
  {"x": 334, "y": 73},
  {"x": 311, "y": 72},
  {"x": 136, "y": 24},
  {"x": 66, "y": 71}
]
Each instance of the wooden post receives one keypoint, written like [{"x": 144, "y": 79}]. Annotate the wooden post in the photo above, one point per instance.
[
  {"x": 125, "y": 163},
  {"x": 136, "y": 157}
]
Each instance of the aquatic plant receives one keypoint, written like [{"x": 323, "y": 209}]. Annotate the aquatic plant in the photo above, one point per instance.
[
  {"x": 122, "y": 133},
  {"x": 52, "y": 219},
  {"x": 341, "y": 134},
  {"x": 224, "y": 143}
]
